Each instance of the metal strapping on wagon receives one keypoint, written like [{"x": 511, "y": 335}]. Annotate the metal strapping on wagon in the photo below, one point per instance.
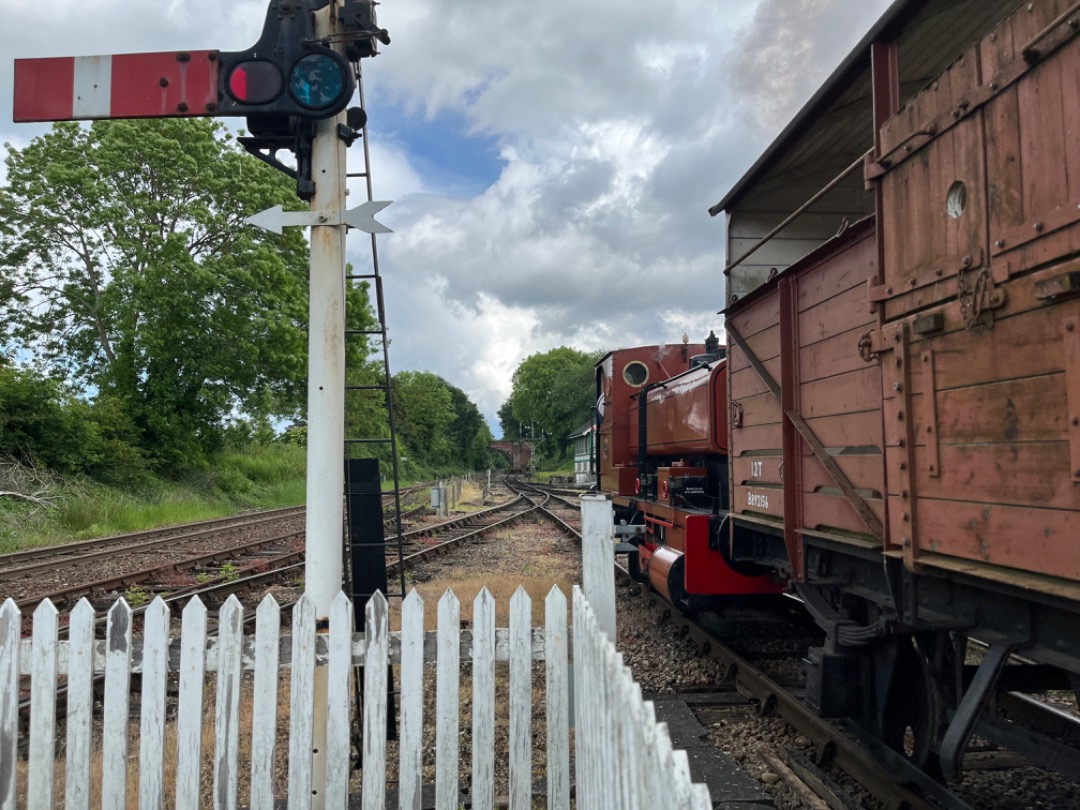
[{"x": 1053, "y": 37}]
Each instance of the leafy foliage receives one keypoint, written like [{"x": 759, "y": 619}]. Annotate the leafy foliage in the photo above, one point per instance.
[
  {"x": 129, "y": 273},
  {"x": 439, "y": 428},
  {"x": 41, "y": 422},
  {"x": 511, "y": 427},
  {"x": 552, "y": 394},
  {"x": 171, "y": 334}
]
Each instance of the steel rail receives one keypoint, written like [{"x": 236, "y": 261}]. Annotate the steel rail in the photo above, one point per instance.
[
  {"x": 68, "y": 593},
  {"x": 131, "y": 541},
  {"x": 116, "y": 541},
  {"x": 283, "y": 566}
]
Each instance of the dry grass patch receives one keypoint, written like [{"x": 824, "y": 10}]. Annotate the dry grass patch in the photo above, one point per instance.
[
  {"x": 501, "y": 587},
  {"x": 206, "y": 781}
]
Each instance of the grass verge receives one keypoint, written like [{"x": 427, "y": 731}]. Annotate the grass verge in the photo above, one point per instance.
[{"x": 260, "y": 477}]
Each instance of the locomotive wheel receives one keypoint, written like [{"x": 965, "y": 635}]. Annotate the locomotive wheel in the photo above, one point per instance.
[{"x": 633, "y": 565}]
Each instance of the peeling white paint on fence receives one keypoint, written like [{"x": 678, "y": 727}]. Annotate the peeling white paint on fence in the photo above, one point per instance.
[
  {"x": 623, "y": 757},
  {"x": 152, "y": 720},
  {"x": 115, "y": 711}
]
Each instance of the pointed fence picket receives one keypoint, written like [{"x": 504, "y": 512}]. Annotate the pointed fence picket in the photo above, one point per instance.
[
  {"x": 623, "y": 756},
  {"x": 115, "y": 712},
  {"x": 155, "y": 678}
]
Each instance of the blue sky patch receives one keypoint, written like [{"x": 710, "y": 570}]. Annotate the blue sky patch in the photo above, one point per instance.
[{"x": 441, "y": 149}]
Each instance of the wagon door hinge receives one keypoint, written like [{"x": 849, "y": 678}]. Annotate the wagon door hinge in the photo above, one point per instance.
[
  {"x": 979, "y": 297},
  {"x": 874, "y": 343}
]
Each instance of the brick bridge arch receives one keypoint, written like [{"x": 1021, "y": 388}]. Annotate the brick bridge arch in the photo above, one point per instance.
[{"x": 518, "y": 453}]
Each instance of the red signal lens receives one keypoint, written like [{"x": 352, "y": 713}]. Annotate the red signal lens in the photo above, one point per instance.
[{"x": 255, "y": 82}]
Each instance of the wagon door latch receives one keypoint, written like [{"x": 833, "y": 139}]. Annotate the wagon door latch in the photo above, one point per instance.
[{"x": 979, "y": 297}]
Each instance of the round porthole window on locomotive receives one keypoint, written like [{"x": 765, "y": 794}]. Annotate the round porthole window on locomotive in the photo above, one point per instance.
[{"x": 635, "y": 373}]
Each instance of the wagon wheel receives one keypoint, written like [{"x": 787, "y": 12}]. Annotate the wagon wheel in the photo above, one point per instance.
[{"x": 914, "y": 715}]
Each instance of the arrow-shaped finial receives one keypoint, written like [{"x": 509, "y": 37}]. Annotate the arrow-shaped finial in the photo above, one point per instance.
[{"x": 362, "y": 218}]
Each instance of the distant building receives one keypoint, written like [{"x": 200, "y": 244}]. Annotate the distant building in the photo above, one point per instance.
[{"x": 584, "y": 456}]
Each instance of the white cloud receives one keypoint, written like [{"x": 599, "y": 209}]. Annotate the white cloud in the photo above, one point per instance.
[{"x": 617, "y": 123}]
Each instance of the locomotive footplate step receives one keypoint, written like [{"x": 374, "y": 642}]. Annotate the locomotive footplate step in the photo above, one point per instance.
[{"x": 729, "y": 785}]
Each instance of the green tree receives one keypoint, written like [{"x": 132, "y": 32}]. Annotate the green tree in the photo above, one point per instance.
[
  {"x": 511, "y": 427},
  {"x": 553, "y": 391},
  {"x": 130, "y": 273},
  {"x": 468, "y": 433},
  {"x": 424, "y": 411},
  {"x": 41, "y": 423}
]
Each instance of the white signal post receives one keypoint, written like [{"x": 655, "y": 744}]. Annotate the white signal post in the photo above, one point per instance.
[{"x": 326, "y": 396}]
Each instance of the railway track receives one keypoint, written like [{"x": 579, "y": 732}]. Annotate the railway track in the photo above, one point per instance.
[
  {"x": 147, "y": 563},
  {"x": 428, "y": 541},
  {"x": 18, "y": 564},
  {"x": 761, "y": 654},
  {"x": 747, "y": 688}
]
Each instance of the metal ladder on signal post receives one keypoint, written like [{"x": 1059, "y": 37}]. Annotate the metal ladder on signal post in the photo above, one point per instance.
[{"x": 386, "y": 387}]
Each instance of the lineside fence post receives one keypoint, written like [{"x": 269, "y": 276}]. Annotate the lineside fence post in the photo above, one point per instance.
[{"x": 598, "y": 558}]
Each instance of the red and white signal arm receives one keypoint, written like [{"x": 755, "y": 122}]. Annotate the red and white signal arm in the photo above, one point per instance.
[{"x": 137, "y": 85}]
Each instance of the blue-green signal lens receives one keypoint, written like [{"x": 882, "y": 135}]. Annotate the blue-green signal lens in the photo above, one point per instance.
[{"x": 317, "y": 81}]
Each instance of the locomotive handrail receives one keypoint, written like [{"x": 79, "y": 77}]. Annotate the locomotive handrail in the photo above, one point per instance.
[{"x": 799, "y": 211}]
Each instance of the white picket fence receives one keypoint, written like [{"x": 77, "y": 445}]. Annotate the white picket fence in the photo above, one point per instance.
[{"x": 623, "y": 757}]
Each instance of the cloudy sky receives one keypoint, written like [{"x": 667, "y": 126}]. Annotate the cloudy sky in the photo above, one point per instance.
[{"x": 551, "y": 163}]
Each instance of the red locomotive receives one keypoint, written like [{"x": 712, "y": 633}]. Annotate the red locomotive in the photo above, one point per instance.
[
  {"x": 895, "y": 430},
  {"x": 665, "y": 466}
]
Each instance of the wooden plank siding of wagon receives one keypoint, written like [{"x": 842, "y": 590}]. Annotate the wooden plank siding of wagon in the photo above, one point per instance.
[
  {"x": 1037, "y": 126},
  {"x": 982, "y": 415},
  {"x": 830, "y": 313},
  {"x": 794, "y": 497},
  {"x": 1001, "y": 434},
  {"x": 950, "y": 230},
  {"x": 756, "y": 443},
  {"x": 829, "y": 472}
]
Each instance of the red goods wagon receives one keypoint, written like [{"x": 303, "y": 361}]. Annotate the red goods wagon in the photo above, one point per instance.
[
  {"x": 935, "y": 381},
  {"x": 980, "y": 340},
  {"x": 806, "y": 436}
]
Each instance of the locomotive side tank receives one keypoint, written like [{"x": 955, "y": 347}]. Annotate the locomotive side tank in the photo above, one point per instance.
[{"x": 686, "y": 413}]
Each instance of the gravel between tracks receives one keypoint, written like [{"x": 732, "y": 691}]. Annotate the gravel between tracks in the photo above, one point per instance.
[{"x": 535, "y": 555}]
